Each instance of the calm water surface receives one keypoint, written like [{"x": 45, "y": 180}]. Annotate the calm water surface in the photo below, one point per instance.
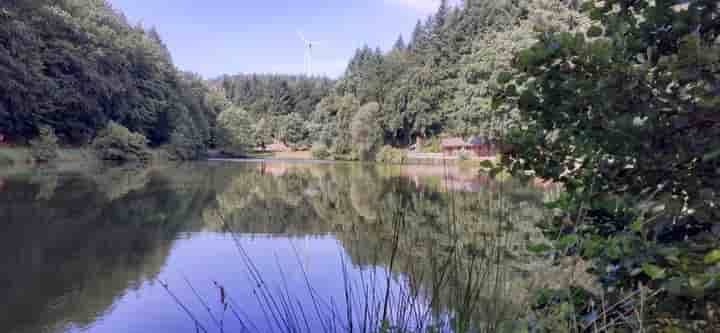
[{"x": 262, "y": 247}]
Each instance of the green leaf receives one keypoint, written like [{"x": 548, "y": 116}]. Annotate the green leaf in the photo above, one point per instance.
[
  {"x": 567, "y": 240},
  {"x": 671, "y": 254},
  {"x": 539, "y": 248},
  {"x": 504, "y": 77},
  {"x": 654, "y": 272},
  {"x": 594, "y": 31},
  {"x": 614, "y": 251},
  {"x": 712, "y": 257},
  {"x": 636, "y": 226}
]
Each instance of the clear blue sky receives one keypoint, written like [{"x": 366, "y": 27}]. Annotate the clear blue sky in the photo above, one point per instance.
[{"x": 214, "y": 37}]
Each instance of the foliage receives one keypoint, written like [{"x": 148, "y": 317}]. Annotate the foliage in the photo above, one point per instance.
[
  {"x": 263, "y": 133},
  {"x": 266, "y": 96},
  {"x": 331, "y": 122},
  {"x": 366, "y": 132},
  {"x": 444, "y": 78},
  {"x": 471, "y": 110},
  {"x": 186, "y": 144},
  {"x": 320, "y": 151},
  {"x": 76, "y": 64},
  {"x": 117, "y": 143},
  {"x": 45, "y": 147},
  {"x": 237, "y": 135},
  {"x": 625, "y": 117},
  {"x": 391, "y": 155},
  {"x": 293, "y": 131}
]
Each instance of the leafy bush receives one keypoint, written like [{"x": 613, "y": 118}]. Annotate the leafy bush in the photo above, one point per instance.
[
  {"x": 638, "y": 154},
  {"x": 45, "y": 147},
  {"x": 117, "y": 143},
  {"x": 390, "y": 155},
  {"x": 292, "y": 131},
  {"x": 236, "y": 135},
  {"x": 186, "y": 145},
  {"x": 366, "y": 132},
  {"x": 320, "y": 151}
]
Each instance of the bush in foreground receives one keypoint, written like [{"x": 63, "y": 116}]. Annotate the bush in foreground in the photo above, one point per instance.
[{"x": 117, "y": 143}]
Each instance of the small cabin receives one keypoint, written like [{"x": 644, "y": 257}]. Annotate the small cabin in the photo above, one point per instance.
[
  {"x": 478, "y": 146},
  {"x": 482, "y": 147},
  {"x": 277, "y": 147}
]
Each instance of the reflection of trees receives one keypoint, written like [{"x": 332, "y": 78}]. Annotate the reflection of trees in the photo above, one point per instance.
[
  {"x": 84, "y": 239},
  {"x": 69, "y": 255},
  {"x": 480, "y": 234}
]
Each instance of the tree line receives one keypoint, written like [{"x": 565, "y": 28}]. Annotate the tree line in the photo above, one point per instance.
[
  {"x": 76, "y": 65},
  {"x": 439, "y": 82}
]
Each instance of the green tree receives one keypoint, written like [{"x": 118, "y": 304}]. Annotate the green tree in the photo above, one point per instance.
[
  {"x": 263, "y": 133},
  {"x": 117, "y": 143},
  {"x": 293, "y": 131},
  {"x": 77, "y": 64},
  {"x": 626, "y": 118},
  {"x": 237, "y": 135},
  {"x": 366, "y": 131},
  {"x": 346, "y": 108}
]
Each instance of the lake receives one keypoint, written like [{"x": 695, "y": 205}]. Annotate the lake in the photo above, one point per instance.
[{"x": 266, "y": 246}]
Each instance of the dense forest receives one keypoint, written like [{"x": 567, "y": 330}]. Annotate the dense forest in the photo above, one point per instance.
[
  {"x": 76, "y": 65},
  {"x": 439, "y": 82},
  {"x": 278, "y": 106}
]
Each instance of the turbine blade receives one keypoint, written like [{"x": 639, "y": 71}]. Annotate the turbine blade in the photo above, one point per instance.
[{"x": 302, "y": 37}]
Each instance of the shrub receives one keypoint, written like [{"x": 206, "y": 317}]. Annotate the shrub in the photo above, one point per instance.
[
  {"x": 186, "y": 145},
  {"x": 236, "y": 135},
  {"x": 117, "y": 143},
  {"x": 320, "y": 151},
  {"x": 45, "y": 147},
  {"x": 366, "y": 132},
  {"x": 390, "y": 155}
]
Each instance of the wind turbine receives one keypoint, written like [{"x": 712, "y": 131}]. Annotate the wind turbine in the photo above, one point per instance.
[{"x": 308, "y": 52}]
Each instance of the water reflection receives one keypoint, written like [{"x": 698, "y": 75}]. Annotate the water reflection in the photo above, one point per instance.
[{"x": 85, "y": 251}]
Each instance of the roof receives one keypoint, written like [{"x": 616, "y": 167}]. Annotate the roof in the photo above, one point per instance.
[
  {"x": 453, "y": 143},
  {"x": 476, "y": 140},
  {"x": 277, "y": 147}
]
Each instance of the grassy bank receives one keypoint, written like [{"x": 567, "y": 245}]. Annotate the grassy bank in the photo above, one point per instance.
[
  {"x": 21, "y": 156},
  {"x": 18, "y": 156}
]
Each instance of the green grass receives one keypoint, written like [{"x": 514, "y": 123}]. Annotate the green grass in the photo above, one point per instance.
[{"x": 21, "y": 156}]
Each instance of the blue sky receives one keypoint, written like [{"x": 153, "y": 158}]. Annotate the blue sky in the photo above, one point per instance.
[{"x": 214, "y": 37}]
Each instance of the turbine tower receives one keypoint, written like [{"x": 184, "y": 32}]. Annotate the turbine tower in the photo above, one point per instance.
[{"x": 308, "y": 52}]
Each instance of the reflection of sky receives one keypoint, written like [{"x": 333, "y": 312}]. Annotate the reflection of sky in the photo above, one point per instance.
[{"x": 207, "y": 257}]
